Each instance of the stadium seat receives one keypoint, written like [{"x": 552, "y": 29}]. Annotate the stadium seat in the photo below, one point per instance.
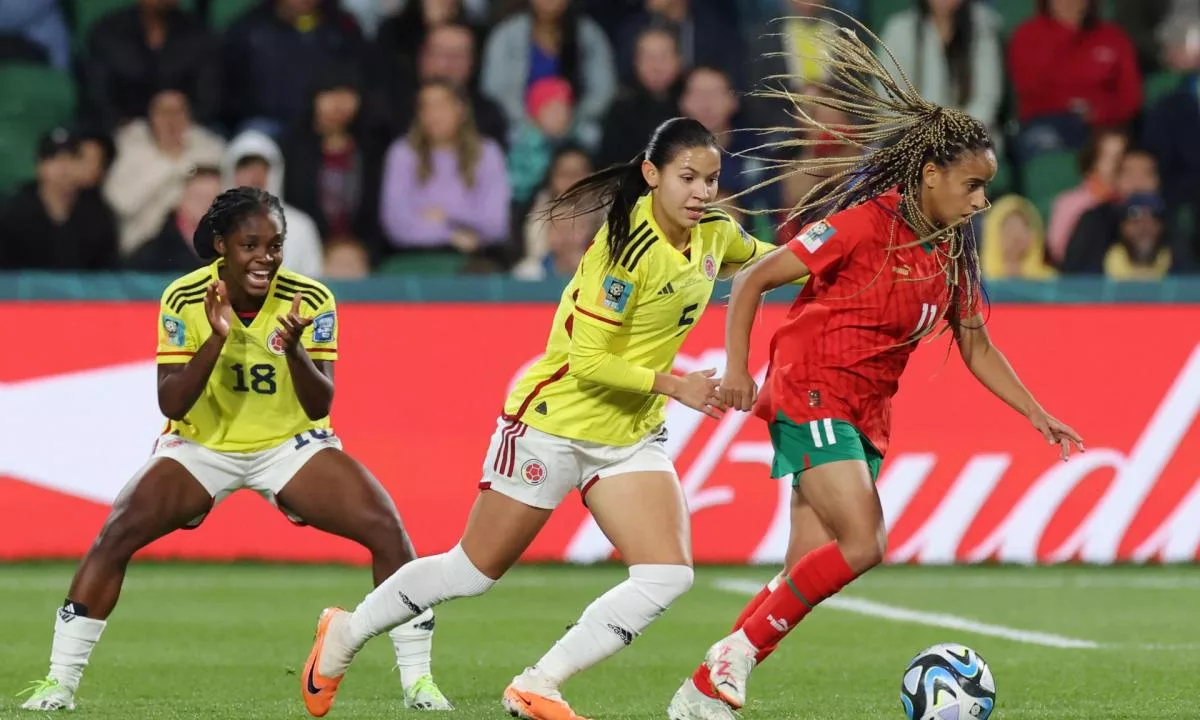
[
  {"x": 223, "y": 13},
  {"x": 37, "y": 99},
  {"x": 87, "y": 12},
  {"x": 1158, "y": 84},
  {"x": 878, "y": 12},
  {"x": 423, "y": 263},
  {"x": 1013, "y": 13},
  {"x": 1045, "y": 176}
]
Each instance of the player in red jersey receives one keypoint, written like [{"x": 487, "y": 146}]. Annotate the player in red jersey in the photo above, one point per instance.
[{"x": 892, "y": 260}]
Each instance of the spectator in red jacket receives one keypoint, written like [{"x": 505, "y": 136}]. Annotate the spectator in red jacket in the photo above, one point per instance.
[{"x": 1072, "y": 71}]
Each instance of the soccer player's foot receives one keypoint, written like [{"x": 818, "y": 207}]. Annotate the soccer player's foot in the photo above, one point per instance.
[
  {"x": 48, "y": 694},
  {"x": 424, "y": 694},
  {"x": 691, "y": 704},
  {"x": 327, "y": 663},
  {"x": 531, "y": 697},
  {"x": 729, "y": 664}
]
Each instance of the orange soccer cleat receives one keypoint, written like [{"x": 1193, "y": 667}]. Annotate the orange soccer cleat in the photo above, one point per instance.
[
  {"x": 531, "y": 706},
  {"x": 319, "y": 690}
]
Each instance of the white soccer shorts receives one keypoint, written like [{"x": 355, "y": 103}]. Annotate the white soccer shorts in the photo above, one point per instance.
[
  {"x": 540, "y": 469},
  {"x": 266, "y": 472}
]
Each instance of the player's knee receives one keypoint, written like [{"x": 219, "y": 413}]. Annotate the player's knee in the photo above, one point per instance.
[
  {"x": 864, "y": 553},
  {"x": 123, "y": 535},
  {"x": 662, "y": 584}
]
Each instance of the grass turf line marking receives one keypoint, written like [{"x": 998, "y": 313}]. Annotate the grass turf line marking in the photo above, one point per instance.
[{"x": 940, "y": 620}]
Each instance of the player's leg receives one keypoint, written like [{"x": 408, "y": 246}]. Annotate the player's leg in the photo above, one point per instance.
[
  {"x": 639, "y": 506},
  {"x": 162, "y": 497},
  {"x": 334, "y": 493},
  {"x": 695, "y": 698},
  {"x": 508, "y": 513},
  {"x": 839, "y": 486}
]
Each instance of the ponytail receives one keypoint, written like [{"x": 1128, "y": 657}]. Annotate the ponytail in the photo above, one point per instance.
[{"x": 617, "y": 189}]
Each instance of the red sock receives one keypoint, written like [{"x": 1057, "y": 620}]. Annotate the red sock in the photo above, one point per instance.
[
  {"x": 700, "y": 676},
  {"x": 818, "y": 575}
]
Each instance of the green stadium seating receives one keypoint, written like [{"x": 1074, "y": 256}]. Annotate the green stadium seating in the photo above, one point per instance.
[
  {"x": 1045, "y": 176},
  {"x": 36, "y": 99},
  {"x": 423, "y": 263},
  {"x": 223, "y": 13},
  {"x": 1156, "y": 85}
]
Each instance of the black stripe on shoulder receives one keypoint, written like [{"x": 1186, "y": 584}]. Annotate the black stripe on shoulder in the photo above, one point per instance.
[
  {"x": 716, "y": 215},
  {"x": 293, "y": 284},
  {"x": 635, "y": 234},
  {"x": 187, "y": 289},
  {"x": 187, "y": 298},
  {"x": 305, "y": 296},
  {"x": 638, "y": 257},
  {"x": 178, "y": 308},
  {"x": 642, "y": 241}
]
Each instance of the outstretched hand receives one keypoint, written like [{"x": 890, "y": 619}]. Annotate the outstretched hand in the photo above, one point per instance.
[
  {"x": 292, "y": 326},
  {"x": 1056, "y": 432},
  {"x": 698, "y": 390}
]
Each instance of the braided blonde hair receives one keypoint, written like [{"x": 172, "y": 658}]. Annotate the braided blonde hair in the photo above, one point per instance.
[{"x": 896, "y": 131}]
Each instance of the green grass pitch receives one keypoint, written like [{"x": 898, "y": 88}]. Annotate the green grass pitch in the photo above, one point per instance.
[{"x": 227, "y": 641}]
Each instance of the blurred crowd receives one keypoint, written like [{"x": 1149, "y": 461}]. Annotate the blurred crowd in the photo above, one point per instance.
[{"x": 425, "y": 136}]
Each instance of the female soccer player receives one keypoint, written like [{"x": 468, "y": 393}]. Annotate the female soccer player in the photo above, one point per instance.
[
  {"x": 588, "y": 415},
  {"x": 892, "y": 259},
  {"x": 245, "y": 375}
]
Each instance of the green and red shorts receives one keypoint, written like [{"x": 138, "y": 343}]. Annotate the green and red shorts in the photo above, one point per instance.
[{"x": 803, "y": 446}]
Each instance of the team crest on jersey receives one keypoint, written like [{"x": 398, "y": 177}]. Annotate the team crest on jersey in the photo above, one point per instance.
[
  {"x": 275, "y": 341},
  {"x": 533, "y": 472},
  {"x": 323, "y": 326},
  {"x": 174, "y": 329},
  {"x": 815, "y": 236},
  {"x": 615, "y": 293},
  {"x": 710, "y": 267}
]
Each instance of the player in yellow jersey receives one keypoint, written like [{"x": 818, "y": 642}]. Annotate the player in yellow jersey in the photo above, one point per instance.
[
  {"x": 588, "y": 415},
  {"x": 245, "y": 373}
]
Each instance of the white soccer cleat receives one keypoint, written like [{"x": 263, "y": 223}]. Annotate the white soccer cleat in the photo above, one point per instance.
[
  {"x": 729, "y": 664},
  {"x": 49, "y": 695},
  {"x": 691, "y": 704}
]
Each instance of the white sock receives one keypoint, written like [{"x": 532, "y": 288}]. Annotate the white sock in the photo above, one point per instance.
[
  {"x": 614, "y": 619},
  {"x": 413, "y": 642},
  {"x": 413, "y": 589},
  {"x": 74, "y": 638}
]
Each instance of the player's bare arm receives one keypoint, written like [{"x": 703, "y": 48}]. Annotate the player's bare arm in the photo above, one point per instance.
[
  {"x": 777, "y": 268},
  {"x": 313, "y": 379},
  {"x": 988, "y": 364},
  {"x": 180, "y": 386}
]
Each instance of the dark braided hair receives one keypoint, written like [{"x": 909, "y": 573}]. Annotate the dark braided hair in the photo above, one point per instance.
[
  {"x": 227, "y": 211},
  {"x": 617, "y": 188},
  {"x": 897, "y": 131}
]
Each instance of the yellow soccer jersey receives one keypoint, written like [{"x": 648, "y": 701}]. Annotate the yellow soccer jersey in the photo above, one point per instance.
[
  {"x": 249, "y": 403},
  {"x": 646, "y": 303}
]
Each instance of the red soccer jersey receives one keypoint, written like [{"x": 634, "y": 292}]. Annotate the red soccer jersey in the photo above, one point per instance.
[{"x": 843, "y": 346}]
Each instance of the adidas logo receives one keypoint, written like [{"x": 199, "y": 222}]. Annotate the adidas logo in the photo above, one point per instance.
[
  {"x": 410, "y": 604},
  {"x": 667, "y": 289},
  {"x": 625, "y": 635},
  {"x": 541, "y": 408}
]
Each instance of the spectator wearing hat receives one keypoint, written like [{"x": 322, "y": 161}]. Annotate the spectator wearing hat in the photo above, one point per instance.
[
  {"x": 1140, "y": 252},
  {"x": 552, "y": 39},
  {"x": 333, "y": 164},
  {"x": 53, "y": 223},
  {"x": 1097, "y": 229},
  {"x": 549, "y": 123},
  {"x": 155, "y": 155}
]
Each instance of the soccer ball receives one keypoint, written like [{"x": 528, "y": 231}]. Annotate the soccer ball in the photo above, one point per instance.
[{"x": 948, "y": 682}]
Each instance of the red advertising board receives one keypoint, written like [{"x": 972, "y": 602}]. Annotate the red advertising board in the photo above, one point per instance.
[{"x": 419, "y": 386}]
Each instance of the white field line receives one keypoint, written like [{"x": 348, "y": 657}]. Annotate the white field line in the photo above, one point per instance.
[{"x": 940, "y": 620}]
